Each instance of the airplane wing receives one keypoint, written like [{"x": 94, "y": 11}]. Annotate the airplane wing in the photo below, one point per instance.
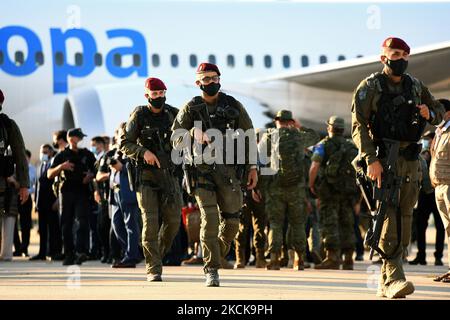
[{"x": 430, "y": 64}]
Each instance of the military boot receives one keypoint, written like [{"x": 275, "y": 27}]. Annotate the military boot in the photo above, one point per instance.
[
  {"x": 274, "y": 263},
  {"x": 291, "y": 255},
  {"x": 260, "y": 259},
  {"x": 348, "y": 259},
  {"x": 212, "y": 278},
  {"x": 284, "y": 257},
  {"x": 331, "y": 261},
  {"x": 399, "y": 289},
  {"x": 299, "y": 262},
  {"x": 240, "y": 258}
]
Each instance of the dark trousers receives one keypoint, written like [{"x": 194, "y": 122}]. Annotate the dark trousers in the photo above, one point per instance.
[
  {"x": 75, "y": 206},
  {"x": 359, "y": 245},
  {"x": 104, "y": 228},
  {"x": 21, "y": 243},
  {"x": 94, "y": 243},
  {"x": 426, "y": 206},
  {"x": 49, "y": 231},
  {"x": 126, "y": 228}
]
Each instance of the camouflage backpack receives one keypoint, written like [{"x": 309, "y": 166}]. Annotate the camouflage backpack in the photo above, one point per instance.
[
  {"x": 339, "y": 172},
  {"x": 290, "y": 155}
]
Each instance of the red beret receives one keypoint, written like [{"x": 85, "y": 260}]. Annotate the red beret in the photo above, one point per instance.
[
  {"x": 155, "y": 84},
  {"x": 2, "y": 97},
  {"x": 395, "y": 43},
  {"x": 205, "y": 67}
]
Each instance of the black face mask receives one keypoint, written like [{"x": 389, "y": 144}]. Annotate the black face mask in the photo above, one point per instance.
[
  {"x": 211, "y": 89},
  {"x": 157, "y": 103},
  {"x": 398, "y": 67}
]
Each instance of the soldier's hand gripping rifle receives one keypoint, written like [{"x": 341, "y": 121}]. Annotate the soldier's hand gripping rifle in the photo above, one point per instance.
[
  {"x": 164, "y": 174},
  {"x": 189, "y": 177},
  {"x": 378, "y": 200}
]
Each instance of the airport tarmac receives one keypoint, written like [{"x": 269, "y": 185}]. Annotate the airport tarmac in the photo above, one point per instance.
[{"x": 23, "y": 279}]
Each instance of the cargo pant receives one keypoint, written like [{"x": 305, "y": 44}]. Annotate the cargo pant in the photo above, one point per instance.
[
  {"x": 392, "y": 268},
  {"x": 156, "y": 240},
  {"x": 219, "y": 197},
  {"x": 252, "y": 213},
  {"x": 442, "y": 194},
  {"x": 290, "y": 201},
  {"x": 337, "y": 222}
]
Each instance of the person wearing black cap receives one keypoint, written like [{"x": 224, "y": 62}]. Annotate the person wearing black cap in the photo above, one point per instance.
[
  {"x": 13, "y": 175},
  {"x": 393, "y": 105},
  {"x": 146, "y": 140},
  {"x": 217, "y": 186},
  {"x": 75, "y": 167},
  {"x": 440, "y": 176}
]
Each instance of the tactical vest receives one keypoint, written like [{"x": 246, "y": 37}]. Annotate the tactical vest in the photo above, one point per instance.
[
  {"x": 225, "y": 115},
  {"x": 152, "y": 124},
  {"x": 397, "y": 116},
  {"x": 440, "y": 161}
]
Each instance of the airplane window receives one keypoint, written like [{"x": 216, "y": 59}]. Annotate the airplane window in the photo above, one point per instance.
[
  {"x": 117, "y": 60},
  {"x": 323, "y": 59},
  {"x": 1, "y": 58},
  {"x": 341, "y": 57},
  {"x": 78, "y": 59},
  {"x": 59, "y": 58},
  {"x": 267, "y": 61},
  {"x": 304, "y": 61},
  {"x": 39, "y": 58},
  {"x": 193, "y": 60},
  {"x": 98, "y": 59},
  {"x": 137, "y": 60},
  {"x": 359, "y": 56},
  {"x": 155, "y": 60},
  {"x": 249, "y": 60},
  {"x": 174, "y": 60},
  {"x": 230, "y": 61},
  {"x": 286, "y": 61},
  {"x": 19, "y": 58},
  {"x": 212, "y": 58}
]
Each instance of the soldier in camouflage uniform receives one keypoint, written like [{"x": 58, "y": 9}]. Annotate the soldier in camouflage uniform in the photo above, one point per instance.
[
  {"x": 217, "y": 186},
  {"x": 158, "y": 190},
  {"x": 332, "y": 159},
  {"x": 12, "y": 155},
  {"x": 286, "y": 192},
  {"x": 253, "y": 213},
  {"x": 395, "y": 105}
]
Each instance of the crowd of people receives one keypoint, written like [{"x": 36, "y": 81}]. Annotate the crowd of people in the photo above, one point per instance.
[{"x": 124, "y": 200}]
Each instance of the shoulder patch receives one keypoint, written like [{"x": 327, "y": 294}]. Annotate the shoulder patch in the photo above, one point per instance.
[{"x": 319, "y": 149}]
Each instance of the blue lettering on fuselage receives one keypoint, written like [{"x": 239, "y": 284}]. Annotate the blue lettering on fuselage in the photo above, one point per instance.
[{"x": 62, "y": 70}]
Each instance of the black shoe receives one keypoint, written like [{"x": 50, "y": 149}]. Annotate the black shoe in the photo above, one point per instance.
[
  {"x": 359, "y": 257},
  {"x": 123, "y": 265},
  {"x": 81, "y": 258},
  {"x": 37, "y": 257},
  {"x": 438, "y": 262},
  {"x": 17, "y": 254},
  {"x": 57, "y": 257},
  {"x": 69, "y": 260},
  {"x": 417, "y": 261}
]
